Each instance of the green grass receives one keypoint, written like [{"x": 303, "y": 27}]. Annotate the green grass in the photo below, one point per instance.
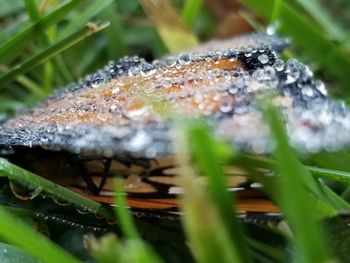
[{"x": 42, "y": 48}]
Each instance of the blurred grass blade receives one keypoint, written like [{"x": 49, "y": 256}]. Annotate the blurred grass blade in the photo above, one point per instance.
[
  {"x": 32, "y": 11},
  {"x": 190, "y": 12},
  {"x": 134, "y": 249},
  {"x": 82, "y": 17},
  {"x": 55, "y": 49},
  {"x": 318, "y": 189},
  {"x": 210, "y": 233},
  {"x": 31, "y": 86},
  {"x": 18, "y": 233},
  {"x": 319, "y": 14},
  {"x": 114, "y": 34},
  {"x": 125, "y": 219},
  {"x": 35, "y": 15},
  {"x": 294, "y": 201},
  {"x": 18, "y": 174},
  {"x": 276, "y": 11},
  {"x": 16, "y": 42},
  {"x": 169, "y": 25},
  {"x": 205, "y": 154},
  {"x": 308, "y": 37},
  {"x": 109, "y": 249}
]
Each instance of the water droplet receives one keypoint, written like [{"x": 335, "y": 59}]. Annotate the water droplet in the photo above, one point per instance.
[
  {"x": 265, "y": 78},
  {"x": 111, "y": 221},
  {"x": 233, "y": 89},
  {"x": 115, "y": 89},
  {"x": 226, "y": 104},
  {"x": 271, "y": 29},
  {"x": 263, "y": 58},
  {"x": 292, "y": 70},
  {"x": 279, "y": 65},
  {"x": 308, "y": 91},
  {"x": 24, "y": 192},
  {"x": 138, "y": 142},
  {"x": 60, "y": 201},
  {"x": 98, "y": 79},
  {"x": 170, "y": 61},
  {"x": 321, "y": 87},
  {"x": 147, "y": 69},
  {"x": 136, "y": 108},
  {"x": 184, "y": 59},
  {"x": 247, "y": 54},
  {"x": 166, "y": 82},
  {"x": 82, "y": 210}
]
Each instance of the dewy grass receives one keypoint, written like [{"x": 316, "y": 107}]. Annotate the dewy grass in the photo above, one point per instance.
[{"x": 18, "y": 174}]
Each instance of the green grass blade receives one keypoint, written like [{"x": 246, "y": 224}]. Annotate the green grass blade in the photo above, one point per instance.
[
  {"x": 114, "y": 34},
  {"x": 207, "y": 229},
  {"x": 16, "y": 42},
  {"x": 205, "y": 153},
  {"x": 125, "y": 219},
  {"x": 276, "y": 11},
  {"x": 294, "y": 201},
  {"x": 31, "y": 86},
  {"x": 190, "y": 12},
  {"x": 48, "y": 53},
  {"x": 32, "y": 10},
  {"x": 18, "y": 233},
  {"x": 82, "y": 17},
  {"x": 18, "y": 174},
  {"x": 172, "y": 31},
  {"x": 308, "y": 37},
  {"x": 35, "y": 15},
  {"x": 319, "y": 14}
]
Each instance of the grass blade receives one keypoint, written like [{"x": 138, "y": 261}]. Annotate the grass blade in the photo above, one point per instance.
[
  {"x": 317, "y": 11},
  {"x": 16, "y": 232},
  {"x": 94, "y": 8},
  {"x": 205, "y": 153},
  {"x": 15, "y": 43},
  {"x": 114, "y": 34},
  {"x": 190, "y": 12},
  {"x": 18, "y": 174},
  {"x": 294, "y": 201},
  {"x": 125, "y": 218},
  {"x": 48, "y": 53},
  {"x": 169, "y": 25},
  {"x": 209, "y": 232}
]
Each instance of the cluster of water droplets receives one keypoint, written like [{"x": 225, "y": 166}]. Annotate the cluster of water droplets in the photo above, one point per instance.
[{"x": 221, "y": 85}]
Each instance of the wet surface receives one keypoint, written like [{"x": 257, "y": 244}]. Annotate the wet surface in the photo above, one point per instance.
[{"x": 127, "y": 108}]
